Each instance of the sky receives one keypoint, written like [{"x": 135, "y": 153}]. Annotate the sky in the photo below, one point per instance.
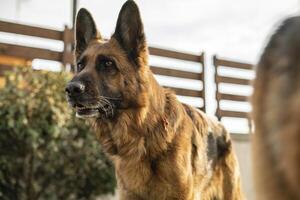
[{"x": 233, "y": 29}]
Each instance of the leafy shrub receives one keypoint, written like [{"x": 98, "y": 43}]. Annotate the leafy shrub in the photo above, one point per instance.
[{"x": 45, "y": 152}]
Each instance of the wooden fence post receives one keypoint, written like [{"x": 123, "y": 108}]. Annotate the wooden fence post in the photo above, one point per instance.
[
  {"x": 68, "y": 43},
  {"x": 202, "y": 77},
  {"x": 215, "y": 64}
]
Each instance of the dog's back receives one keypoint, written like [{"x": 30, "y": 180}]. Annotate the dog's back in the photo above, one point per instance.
[{"x": 276, "y": 104}]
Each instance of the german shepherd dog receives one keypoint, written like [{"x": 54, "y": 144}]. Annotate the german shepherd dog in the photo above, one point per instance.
[
  {"x": 161, "y": 149},
  {"x": 276, "y": 111}
]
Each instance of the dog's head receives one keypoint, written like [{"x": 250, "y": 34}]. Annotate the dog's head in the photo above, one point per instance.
[{"x": 109, "y": 73}]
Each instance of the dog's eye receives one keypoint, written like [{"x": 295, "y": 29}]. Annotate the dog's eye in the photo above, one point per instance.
[
  {"x": 108, "y": 63},
  {"x": 80, "y": 66}
]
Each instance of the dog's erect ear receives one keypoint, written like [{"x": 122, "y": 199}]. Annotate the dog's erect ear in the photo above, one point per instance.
[
  {"x": 130, "y": 31},
  {"x": 85, "y": 30}
]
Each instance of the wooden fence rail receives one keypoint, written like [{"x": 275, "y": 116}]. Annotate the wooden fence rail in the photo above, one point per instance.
[{"x": 65, "y": 36}]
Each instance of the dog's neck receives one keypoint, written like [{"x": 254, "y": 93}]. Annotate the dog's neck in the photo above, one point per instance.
[{"x": 137, "y": 131}]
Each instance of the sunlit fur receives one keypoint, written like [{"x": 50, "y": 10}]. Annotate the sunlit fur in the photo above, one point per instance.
[
  {"x": 276, "y": 103},
  {"x": 161, "y": 149}
]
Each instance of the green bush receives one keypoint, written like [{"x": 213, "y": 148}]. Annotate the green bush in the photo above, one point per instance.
[{"x": 45, "y": 152}]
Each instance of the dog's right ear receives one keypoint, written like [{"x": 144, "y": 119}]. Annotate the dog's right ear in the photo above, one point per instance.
[
  {"x": 86, "y": 31},
  {"x": 130, "y": 31}
]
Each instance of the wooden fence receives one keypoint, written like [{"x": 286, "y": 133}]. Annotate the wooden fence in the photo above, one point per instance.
[
  {"x": 66, "y": 57},
  {"x": 198, "y": 61},
  {"x": 230, "y": 96},
  {"x": 66, "y": 36}
]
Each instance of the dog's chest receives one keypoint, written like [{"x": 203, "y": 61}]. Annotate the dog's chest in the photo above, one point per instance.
[{"x": 146, "y": 179}]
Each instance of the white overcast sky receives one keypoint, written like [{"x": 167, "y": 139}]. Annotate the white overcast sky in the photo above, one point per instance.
[
  {"x": 234, "y": 29},
  {"x": 231, "y": 28}
]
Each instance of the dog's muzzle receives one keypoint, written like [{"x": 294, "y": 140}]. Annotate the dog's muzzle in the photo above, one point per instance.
[
  {"x": 74, "y": 90},
  {"x": 76, "y": 96}
]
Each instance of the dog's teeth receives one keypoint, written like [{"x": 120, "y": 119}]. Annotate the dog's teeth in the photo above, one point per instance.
[{"x": 83, "y": 108}]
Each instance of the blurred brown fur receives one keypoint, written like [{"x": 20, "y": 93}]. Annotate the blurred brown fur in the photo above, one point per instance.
[
  {"x": 161, "y": 149},
  {"x": 276, "y": 103}
]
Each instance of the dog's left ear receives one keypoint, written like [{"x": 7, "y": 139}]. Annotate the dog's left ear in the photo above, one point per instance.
[
  {"x": 86, "y": 30},
  {"x": 130, "y": 31}
]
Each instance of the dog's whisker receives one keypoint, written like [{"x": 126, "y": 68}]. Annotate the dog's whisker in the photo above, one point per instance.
[
  {"x": 113, "y": 98},
  {"x": 106, "y": 106},
  {"x": 108, "y": 103}
]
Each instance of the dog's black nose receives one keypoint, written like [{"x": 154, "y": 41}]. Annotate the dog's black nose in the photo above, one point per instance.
[{"x": 74, "y": 88}]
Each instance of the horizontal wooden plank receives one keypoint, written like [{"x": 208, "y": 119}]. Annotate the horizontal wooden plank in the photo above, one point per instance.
[
  {"x": 29, "y": 52},
  {"x": 161, "y": 71},
  {"x": 15, "y": 61},
  {"x": 239, "y": 81},
  {"x": 4, "y": 68},
  {"x": 175, "y": 54},
  {"x": 200, "y": 108},
  {"x": 186, "y": 92},
  {"x": 238, "y": 114},
  {"x": 233, "y": 64},
  {"x": 176, "y": 73},
  {"x": 9, "y": 27},
  {"x": 233, "y": 97},
  {"x": 240, "y": 137}
]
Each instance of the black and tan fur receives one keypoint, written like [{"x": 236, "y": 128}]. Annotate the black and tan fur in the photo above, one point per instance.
[
  {"x": 161, "y": 149},
  {"x": 276, "y": 103}
]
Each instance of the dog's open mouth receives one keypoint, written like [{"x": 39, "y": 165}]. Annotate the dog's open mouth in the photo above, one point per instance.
[
  {"x": 106, "y": 111},
  {"x": 87, "y": 112}
]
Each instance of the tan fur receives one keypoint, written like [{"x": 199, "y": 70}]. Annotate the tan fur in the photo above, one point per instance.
[
  {"x": 167, "y": 137},
  {"x": 276, "y": 103},
  {"x": 161, "y": 149}
]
